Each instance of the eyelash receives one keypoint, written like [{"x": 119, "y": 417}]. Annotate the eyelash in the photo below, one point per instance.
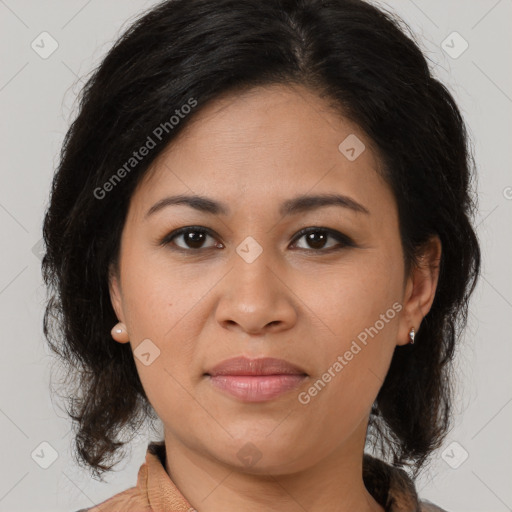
[{"x": 344, "y": 240}]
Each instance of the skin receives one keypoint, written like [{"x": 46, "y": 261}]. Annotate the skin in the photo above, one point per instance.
[{"x": 295, "y": 302}]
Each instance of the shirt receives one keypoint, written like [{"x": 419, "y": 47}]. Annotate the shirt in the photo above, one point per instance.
[{"x": 154, "y": 491}]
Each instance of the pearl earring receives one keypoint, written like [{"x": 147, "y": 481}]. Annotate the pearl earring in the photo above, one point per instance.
[
  {"x": 411, "y": 335},
  {"x": 119, "y": 333}
]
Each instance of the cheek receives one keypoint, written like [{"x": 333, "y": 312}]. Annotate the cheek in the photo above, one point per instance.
[
  {"x": 357, "y": 310},
  {"x": 344, "y": 390},
  {"x": 358, "y": 296},
  {"x": 158, "y": 308},
  {"x": 158, "y": 294}
]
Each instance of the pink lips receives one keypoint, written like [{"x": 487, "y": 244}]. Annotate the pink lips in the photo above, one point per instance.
[{"x": 256, "y": 380}]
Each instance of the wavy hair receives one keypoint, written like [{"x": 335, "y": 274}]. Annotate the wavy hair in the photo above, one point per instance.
[{"x": 366, "y": 62}]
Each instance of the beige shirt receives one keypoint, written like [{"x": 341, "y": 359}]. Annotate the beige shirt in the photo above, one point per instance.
[{"x": 156, "y": 492}]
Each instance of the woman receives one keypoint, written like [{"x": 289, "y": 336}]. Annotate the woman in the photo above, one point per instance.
[{"x": 260, "y": 234}]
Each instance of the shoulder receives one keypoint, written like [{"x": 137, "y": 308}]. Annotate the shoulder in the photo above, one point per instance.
[{"x": 427, "y": 506}]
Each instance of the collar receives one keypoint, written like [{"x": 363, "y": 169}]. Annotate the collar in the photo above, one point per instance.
[{"x": 390, "y": 486}]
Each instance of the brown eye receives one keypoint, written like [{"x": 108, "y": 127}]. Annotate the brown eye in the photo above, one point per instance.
[
  {"x": 316, "y": 239},
  {"x": 194, "y": 239},
  {"x": 191, "y": 237}
]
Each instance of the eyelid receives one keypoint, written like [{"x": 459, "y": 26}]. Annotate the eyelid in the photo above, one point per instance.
[
  {"x": 344, "y": 240},
  {"x": 166, "y": 240},
  {"x": 337, "y": 235}
]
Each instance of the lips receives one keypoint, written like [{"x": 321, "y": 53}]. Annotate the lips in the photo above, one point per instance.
[
  {"x": 252, "y": 367},
  {"x": 255, "y": 380}
]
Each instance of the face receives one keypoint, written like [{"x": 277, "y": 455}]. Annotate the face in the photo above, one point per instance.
[{"x": 243, "y": 281}]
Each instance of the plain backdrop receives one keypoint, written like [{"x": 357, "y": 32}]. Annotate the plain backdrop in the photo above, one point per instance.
[{"x": 472, "y": 472}]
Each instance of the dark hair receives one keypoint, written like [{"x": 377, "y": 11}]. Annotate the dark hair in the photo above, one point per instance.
[{"x": 183, "y": 52}]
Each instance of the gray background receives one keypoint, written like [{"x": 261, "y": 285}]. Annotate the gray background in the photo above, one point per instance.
[{"x": 37, "y": 104}]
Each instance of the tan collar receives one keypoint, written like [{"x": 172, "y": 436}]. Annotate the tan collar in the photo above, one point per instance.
[
  {"x": 153, "y": 479},
  {"x": 391, "y": 487}
]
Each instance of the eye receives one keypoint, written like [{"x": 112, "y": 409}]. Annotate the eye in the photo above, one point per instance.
[
  {"x": 316, "y": 237},
  {"x": 193, "y": 237}
]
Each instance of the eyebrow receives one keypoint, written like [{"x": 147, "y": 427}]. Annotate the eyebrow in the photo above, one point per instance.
[{"x": 293, "y": 206}]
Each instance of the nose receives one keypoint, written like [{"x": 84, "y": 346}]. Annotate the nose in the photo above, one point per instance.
[{"x": 256, "y": 298}]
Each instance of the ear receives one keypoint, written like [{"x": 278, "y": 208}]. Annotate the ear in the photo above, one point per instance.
[
  {"x": 119, "y": 331},
  {"x": 115, "y": 292},
  {"x": 420, "y": 289}
]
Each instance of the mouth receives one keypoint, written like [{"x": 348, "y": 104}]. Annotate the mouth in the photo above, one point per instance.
[
  {"x": 255, "y": 380},
  {"x": 244, "y": 366}
]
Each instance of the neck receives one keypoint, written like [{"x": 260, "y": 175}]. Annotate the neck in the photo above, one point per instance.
[{"x": 333, "y": 484}]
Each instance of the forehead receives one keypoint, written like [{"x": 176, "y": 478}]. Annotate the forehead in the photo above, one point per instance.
[{"x": 268, "y": 143}]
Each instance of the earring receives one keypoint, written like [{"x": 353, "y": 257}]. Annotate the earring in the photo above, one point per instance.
[
  {"x": 411, "y": 335},
  {"x": 119, "y": 333}
]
